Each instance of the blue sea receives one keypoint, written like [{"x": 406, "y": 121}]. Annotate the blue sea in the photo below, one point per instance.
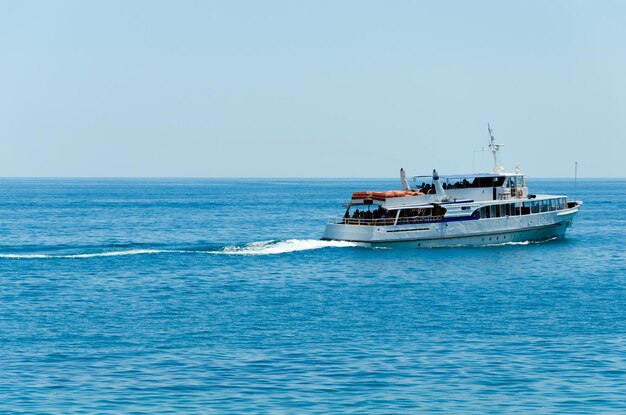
[{"x": 213, "y": 296}]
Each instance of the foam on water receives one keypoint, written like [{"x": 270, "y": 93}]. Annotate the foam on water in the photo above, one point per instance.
[
  {"x": 281, "y": 247},
  {"x": 254, "y": 248},
  {"x": 270, "y": 247},
  {"x": 524, "y": 243},
  {"x": 85, "y": 255}
]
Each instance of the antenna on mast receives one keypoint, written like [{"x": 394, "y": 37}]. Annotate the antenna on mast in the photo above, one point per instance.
[{"x": 497, "y": 168}]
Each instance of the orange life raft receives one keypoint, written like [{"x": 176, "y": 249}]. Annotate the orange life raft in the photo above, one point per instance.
[{"x": 381, "y": 196}]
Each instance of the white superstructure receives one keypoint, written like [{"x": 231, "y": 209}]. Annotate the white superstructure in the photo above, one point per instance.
[{"x": 466, "y": 209}]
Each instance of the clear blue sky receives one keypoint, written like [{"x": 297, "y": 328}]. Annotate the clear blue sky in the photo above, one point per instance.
[{"x": 310, "y": 89}]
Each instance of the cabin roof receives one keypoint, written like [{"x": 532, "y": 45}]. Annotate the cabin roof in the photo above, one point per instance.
[{"x": 408, "y": 206}]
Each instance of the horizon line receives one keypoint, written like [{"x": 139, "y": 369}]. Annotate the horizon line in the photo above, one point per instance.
[{"x": 265, "y": 178}]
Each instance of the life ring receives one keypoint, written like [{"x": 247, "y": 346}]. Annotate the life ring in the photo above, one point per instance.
[{"x": 520, "y": 193}]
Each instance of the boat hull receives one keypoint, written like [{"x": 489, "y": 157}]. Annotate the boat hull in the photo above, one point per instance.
[{"x": 534, "y": 227}]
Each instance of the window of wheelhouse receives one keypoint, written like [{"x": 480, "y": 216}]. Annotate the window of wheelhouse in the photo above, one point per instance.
[
  {"x": 510, "y": 182},
  {"x": 488, "y": 181},
  {"x": 513, "y": 183}
]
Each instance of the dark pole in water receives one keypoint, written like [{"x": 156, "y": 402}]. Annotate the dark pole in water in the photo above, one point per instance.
[{"x": 575, "y": 178}]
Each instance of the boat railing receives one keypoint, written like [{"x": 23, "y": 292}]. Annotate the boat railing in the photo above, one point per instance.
[
  {"x": 386, "y": 221},
  {"x": 364, "y": 222}
]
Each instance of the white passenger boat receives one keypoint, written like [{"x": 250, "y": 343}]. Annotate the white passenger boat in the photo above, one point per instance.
[{"x": 466, "y": 209}]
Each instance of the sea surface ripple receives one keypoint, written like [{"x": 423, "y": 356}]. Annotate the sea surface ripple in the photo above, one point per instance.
[{"x": 217, "y": 296}]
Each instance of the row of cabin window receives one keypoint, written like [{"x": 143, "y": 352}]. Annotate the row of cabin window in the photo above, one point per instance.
[
  {"x": 407, "y": 213},
  {"x": 517, "y": 209},
  {"x": 477, "y": 182}
]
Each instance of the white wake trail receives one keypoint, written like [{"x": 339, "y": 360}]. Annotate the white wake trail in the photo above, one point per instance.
[
  {"x": 90, "y": 255},
  {"x": 115, "y": 253},
  {"x": 253, "y": 248},
  {"x": 281, "y": 247}
]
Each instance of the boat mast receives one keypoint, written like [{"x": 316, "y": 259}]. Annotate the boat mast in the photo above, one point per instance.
[{"x": 497, "y": 168}]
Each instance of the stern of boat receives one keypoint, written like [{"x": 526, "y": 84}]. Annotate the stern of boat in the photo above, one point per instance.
[{"x": 353, "y": 233}]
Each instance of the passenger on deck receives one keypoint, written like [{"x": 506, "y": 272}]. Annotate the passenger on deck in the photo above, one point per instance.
[
  {"x": 380, "y": 212},
  {"x": 355, "y": 215}
]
